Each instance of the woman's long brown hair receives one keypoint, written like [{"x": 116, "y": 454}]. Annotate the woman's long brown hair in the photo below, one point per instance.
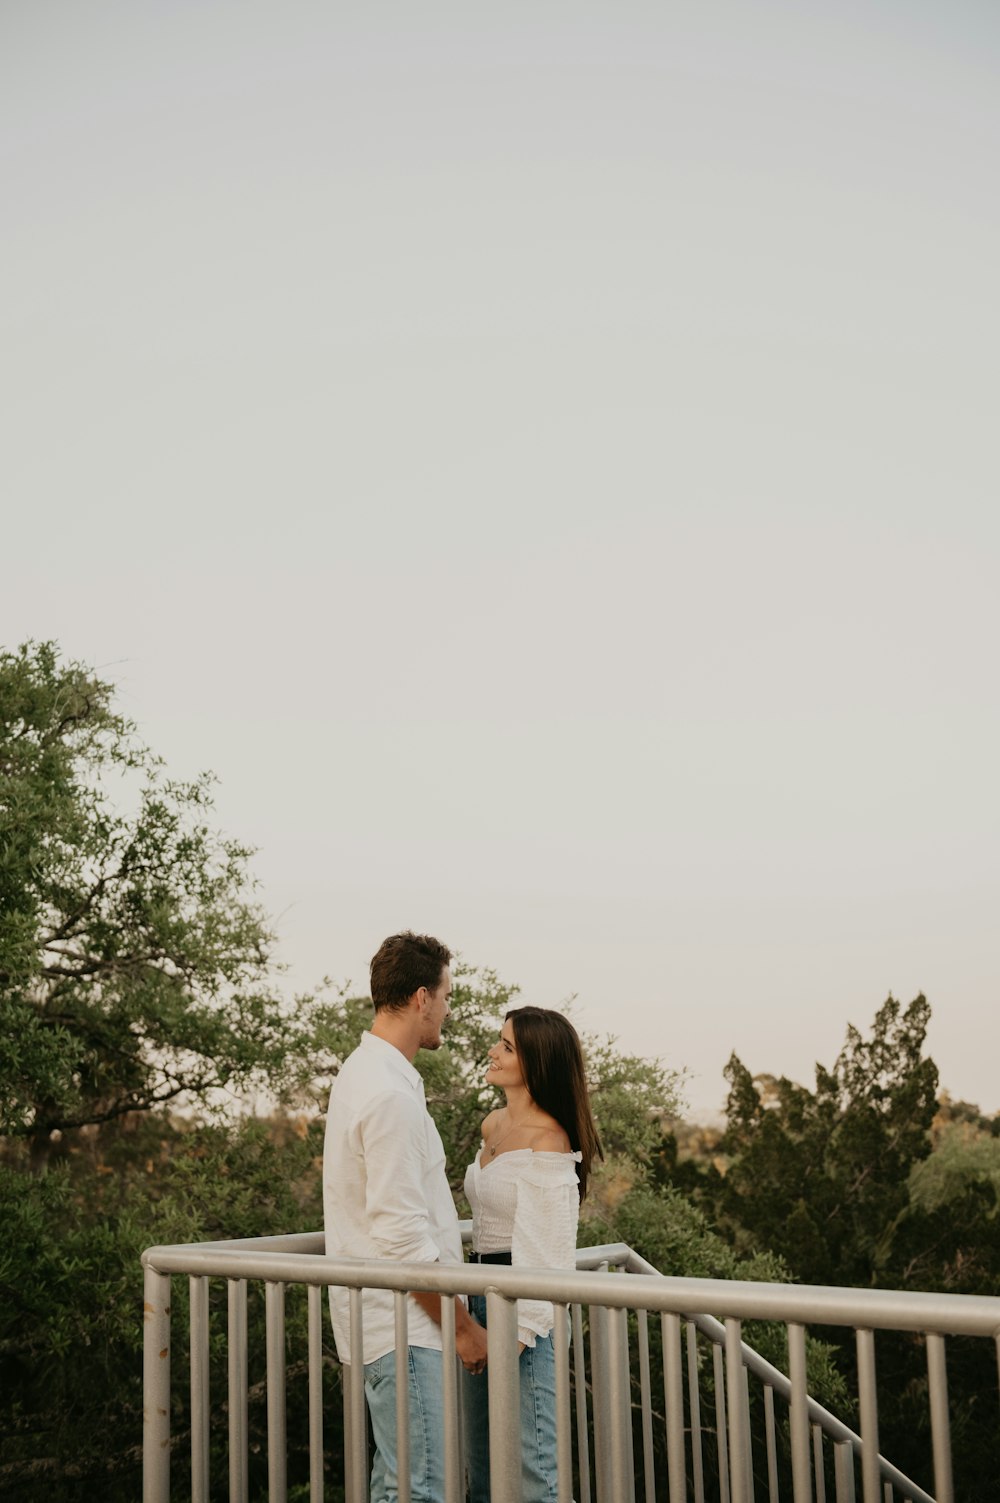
[{"x": 548, "y": 1047}]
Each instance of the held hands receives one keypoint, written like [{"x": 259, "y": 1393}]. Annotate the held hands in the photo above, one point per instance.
[{"x": 470, "y": 1344}]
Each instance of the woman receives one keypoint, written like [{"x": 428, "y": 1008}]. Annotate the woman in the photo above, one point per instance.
[{"x": 525, "y": 1187}]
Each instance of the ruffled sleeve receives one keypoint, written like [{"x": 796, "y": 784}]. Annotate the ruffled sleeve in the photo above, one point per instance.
[{"x": 545, "y": 1225}]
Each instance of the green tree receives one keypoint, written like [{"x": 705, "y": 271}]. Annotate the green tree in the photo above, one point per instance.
[
  {"x": 70, "y": 1295},
  {"x": 135, "y": 966},
  {"x": 848, "y": 1184},
  {"x": 821, "y": 1176}
]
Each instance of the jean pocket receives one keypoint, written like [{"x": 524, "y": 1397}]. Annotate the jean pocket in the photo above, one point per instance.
[{"x": 377, "y": 1371}]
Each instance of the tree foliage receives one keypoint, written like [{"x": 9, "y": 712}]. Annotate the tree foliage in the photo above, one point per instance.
[
  {"x": 135, "y": 965},
  {"x": 71, "y": 1290},
  {"x": 867, "y": 1180},
  {"x": 949, "y": 1238},
  {"x": 821, "y": 1175}
]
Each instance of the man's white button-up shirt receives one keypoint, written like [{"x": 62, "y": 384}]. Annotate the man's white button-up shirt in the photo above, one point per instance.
[{"x": 385, "y": 1190}]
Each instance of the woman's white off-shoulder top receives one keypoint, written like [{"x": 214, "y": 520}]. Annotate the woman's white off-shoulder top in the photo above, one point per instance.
[{"x": 527, "y": 1204}]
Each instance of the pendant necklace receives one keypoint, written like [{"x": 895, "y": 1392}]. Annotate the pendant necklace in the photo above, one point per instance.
[{"x": 497, "y": 1141}]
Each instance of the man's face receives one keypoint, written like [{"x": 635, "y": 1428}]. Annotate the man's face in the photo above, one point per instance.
[{"x": 436, "y": 1007}]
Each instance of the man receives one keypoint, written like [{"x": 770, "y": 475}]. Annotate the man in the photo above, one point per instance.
[{"x": 386, "y": 1195}]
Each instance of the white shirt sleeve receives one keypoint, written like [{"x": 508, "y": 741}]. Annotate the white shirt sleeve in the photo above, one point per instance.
[
  {"x": 545, "y": 1224},
  {"x": 390, "y": 1136}
]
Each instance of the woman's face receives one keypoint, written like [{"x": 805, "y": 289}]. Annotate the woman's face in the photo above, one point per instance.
[{"x": 504, "y": 1066}]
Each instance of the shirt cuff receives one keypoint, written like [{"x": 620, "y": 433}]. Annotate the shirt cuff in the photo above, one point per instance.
[
  {"x": 421, "y": 1252},
  {"x": 535, "y": 1318}
]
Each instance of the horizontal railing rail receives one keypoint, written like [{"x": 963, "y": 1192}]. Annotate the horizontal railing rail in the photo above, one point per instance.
[
  {"x": 874, "y": 1309},
  {"x": 713, "y": 1309}
]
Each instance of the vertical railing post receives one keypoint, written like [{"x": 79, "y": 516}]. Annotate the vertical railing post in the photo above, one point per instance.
[
  {"x": 315, "y": 1298},
  {"x": 819, "y": 1473},
  {"x": 694, "y": 1407},
  {"x": 355, "y": 1410},
  {"x": 748, "y": 1430},
  {"x": 739, "y": 1437},
  {"x": 771, "y": 1444},
  {"x": 721, "y": 1423},
  {"x": 646, "y": 1401},
  {"x": 239, "y": 1475},
  {"x": 402, "y": 1369},
  {"x": 156, "y": 1386},
  {"x": 580, "y": 1390},
  {"x": 200, "y": 1405},
  {"x": 504, "y": 1398},
  {"x": 843, "y": 1463},
  {"x": 673, "y": 1396},
  {"x": 453, "y": 1481},
  {"x": 868, "y": 1409},
  {"x": 799, "y": 1413},
  {"x": 600, "y": 1403},
  {"x": 277, "y": 1440},
  {"x": 612, "y": 1407},
  {"x": 564, "y": 1431},
  {"x": 937, "y": 1377}
]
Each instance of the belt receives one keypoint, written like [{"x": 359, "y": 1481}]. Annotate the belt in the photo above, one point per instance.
[{"x": 489, "y": 1257}]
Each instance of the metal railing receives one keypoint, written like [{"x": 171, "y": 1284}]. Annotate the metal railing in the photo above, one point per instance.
[{"x": 704, "y": 1436}]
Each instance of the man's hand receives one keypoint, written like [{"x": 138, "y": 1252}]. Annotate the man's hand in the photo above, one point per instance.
[
  {"x": 470, "y": 1344},
  {"x": 470, "y": 1336}
]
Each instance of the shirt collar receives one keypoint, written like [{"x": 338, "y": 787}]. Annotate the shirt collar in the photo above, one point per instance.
[{"x": 394, "y": 1058}]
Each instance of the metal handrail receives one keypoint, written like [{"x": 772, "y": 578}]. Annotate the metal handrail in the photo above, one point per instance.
[
  {"x": 300, "y": 1259},
  {"x": 776, "y": 1379},
  {"x": 803, "y": 1304}
]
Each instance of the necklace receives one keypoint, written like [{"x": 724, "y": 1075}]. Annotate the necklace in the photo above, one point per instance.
[{"x": 503, "y": 1138}]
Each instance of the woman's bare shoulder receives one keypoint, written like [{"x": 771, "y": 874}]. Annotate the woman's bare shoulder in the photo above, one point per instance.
[
  {"x": 551, "y": 1140},
  {"x": 489, "y": 1122}
]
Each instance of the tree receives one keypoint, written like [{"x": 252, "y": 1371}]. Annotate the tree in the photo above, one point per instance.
[
  {"x": 848, "y": 1184},
  {"x": 71, "y": 1289},
  {"x": 135, "y": 967},
  {"x": 821, "y": 1176}
]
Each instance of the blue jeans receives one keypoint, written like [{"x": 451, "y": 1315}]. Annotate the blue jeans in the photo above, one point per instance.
[
  {"x": 426, "y": 1425},
  {"x": 537, "y": 1373}
]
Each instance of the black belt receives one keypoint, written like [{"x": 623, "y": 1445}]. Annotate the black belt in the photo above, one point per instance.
[{"x": 489, "y": 1257}]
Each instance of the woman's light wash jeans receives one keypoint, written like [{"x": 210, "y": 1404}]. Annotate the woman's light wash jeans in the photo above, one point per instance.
[
  {"x": 426, "y": 1425},
  {"x": 538, "y": 1421}
]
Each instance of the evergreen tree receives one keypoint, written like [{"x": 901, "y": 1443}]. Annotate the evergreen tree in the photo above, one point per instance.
[{"x": 821, "y": 1176}]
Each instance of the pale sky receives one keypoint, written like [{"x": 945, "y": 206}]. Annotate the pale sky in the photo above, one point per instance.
[{"x": 544, "y": 459}]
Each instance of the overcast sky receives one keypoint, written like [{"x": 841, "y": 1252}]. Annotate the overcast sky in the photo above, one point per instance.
[{"x": 544, "y": 458}]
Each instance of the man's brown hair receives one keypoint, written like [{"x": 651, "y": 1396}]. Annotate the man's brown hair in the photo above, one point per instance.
[{"x": 404, "y": 963}]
